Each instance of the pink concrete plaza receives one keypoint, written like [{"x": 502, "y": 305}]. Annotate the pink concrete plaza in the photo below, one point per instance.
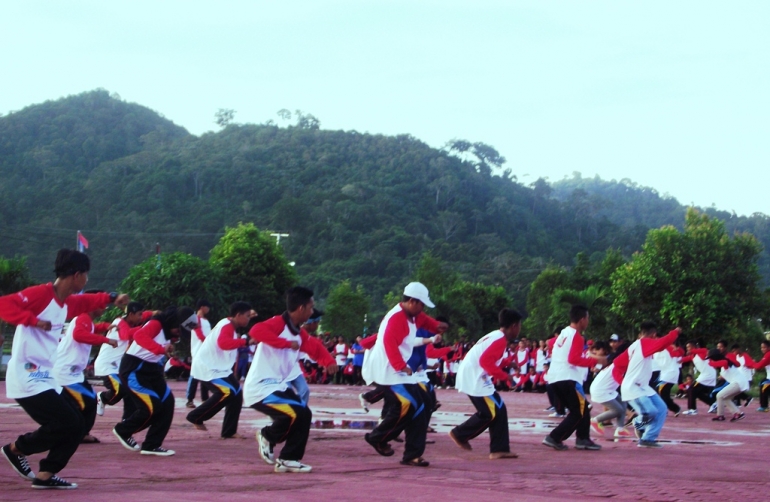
[{"x": 702, "y": 460}]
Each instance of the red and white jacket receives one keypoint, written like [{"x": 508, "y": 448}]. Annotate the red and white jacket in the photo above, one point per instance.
[
  {"x": 669, "y": 364},
  {"x": 763, "y": 363},
  {"x": 636, "y": 383},
  {"x": 481, "y": 365},
  {"x": 150, "y": 342},
  {"x": 732, "y": 373},
  {"x": 386, "y": 362},
  {"x": 567, "y": 360},
  {"x": 108, "y": 360},
  {"x": 604, "y": 388},
  {"x": 706, "y": 374},
  {"x": 75, "y": 347},
  {"x": 199, "y": 335},
  {"x": 275, "y": 363},
  {"x": 30, "y": 369},
  {"x": 218, "y": 353},
  {"x": 522, "y": 360}
]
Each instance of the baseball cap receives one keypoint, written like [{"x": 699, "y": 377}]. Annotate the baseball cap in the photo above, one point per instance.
[
  {"x": 418, "y": 291},
  {"x": 614, "y": 338}
]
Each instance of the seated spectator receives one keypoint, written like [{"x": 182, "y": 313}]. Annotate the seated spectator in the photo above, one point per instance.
[
  {"x": 685, "y": 386},
  {"x": 177, "y": 368}
]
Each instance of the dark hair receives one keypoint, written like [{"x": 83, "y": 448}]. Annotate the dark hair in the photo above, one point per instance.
[
  {"x": 508, "y": 317},
  {"x": 694, "y": 343},
  {"x": 172, "y": 317},
  {"x": 648, "y": 327},
  {"x": 600, "y": 345},
  {"x": 202, "y": 303},
  {"x": 239, "y": 308},
  {"x": 716, "y": 355},
  {"x": 577, "y": 313},
  {"x": 297, "y": 296},
  {"x": 134, "y": 307},
  {"x": 624, "y": 345},
  {"x": 736, "y": 346},
  {"x": 766, "y": 343},
  {"x": 723, "y": 342},
  {"x": 70, "y": 262}
]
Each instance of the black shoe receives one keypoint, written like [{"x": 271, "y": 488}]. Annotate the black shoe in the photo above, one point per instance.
[
  {"x": 128, "y": 443},
  {"x": 556, "y": 445},
  {"x": 738, "y": 416},
  {"x": 748, "y": 402},
  {"x": 18, "y": 462},
  {"x": 586, "y": 444},
  {"x": 384, "y": 450},
  {"x": 53, "y": 483}
]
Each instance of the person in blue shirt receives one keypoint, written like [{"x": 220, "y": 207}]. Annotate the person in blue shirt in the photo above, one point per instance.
[{"x": 358, "y": 361}]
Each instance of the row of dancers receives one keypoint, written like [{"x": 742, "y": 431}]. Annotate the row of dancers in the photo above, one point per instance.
[{"x": 45, "y": 375}]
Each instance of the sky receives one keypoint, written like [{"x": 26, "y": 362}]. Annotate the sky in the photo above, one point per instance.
[{"x": 670, "y": 95}]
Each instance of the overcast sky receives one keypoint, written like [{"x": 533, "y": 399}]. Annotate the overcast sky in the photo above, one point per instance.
[{"x": 672, "y": 95}]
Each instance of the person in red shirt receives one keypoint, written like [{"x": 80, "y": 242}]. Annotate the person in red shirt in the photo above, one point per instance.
[
  {"x": 142, "y": 373},
  {"x": 39, "y": 313},
  {"x": 475, "y": 380},
  {"x": 213, "y": 367},
  {"x": 764, "y": 363}
]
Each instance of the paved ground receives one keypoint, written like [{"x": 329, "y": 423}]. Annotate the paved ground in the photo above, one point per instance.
[{"x": 703, "y": 461}]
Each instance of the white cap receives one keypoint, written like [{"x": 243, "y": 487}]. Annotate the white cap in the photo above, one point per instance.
[{"x": 418, "y": 291}]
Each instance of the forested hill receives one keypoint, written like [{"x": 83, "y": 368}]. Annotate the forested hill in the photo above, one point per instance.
[
  {"x": 628, "y": 204},
  {"x": 356, "y": 206}
]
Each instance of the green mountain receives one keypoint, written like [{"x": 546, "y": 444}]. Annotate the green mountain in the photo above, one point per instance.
[
  {"x": 630, "y": 205},
  {"x": 356, "y": 206}
]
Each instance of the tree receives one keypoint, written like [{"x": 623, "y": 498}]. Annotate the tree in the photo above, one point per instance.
[
  {"x": 700, "y": 279},
  {"x": 14, "y": 275},
  {"x": 181, "y": 279},
  {"x": 556, "y": 289},
  {"x": 224, "y": 117},
  {"x": 346, "y": 310},
  {"x": 254, "y": 268}
]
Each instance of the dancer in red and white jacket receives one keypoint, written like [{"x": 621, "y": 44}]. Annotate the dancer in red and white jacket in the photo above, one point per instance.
[
  {"x": 480, "y": 366},
  {"x": 71, "y": 360},
  {"x": 213, "y": 367},
  {"x": 386, "y": 365},
  {"x": 604, "y": 391},
  {"x": 107, "y": 363},
  {"x": 197, "y": 337},
  {"x": 636, "y": 384},
  {"x": 670, "y": 367},
  {"x": 705, "y": 381},
  {"x": 141, "y": 371},
  {"x": 565, "y": 377},
  {"x": 268, "y": 386},
  {"x": 39, "y": 313},
  {"x": 737, "y": 382},
  {"x": 762, "y": 364}
]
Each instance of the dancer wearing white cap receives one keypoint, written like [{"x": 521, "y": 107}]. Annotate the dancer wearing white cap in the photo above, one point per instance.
[{"x": 404, "y": 408}]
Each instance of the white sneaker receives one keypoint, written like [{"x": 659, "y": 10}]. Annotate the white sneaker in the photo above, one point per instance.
[
  {"x": 364, "y": 402},
  {"x": 99, "y": 404},
  {"x": 159, "y": 451},
  {"x": 690, "y": 412},
  {"x": 266, "y": 450},
  {"x": 557, "y": 415},
  {"x": 291, "y": 466},
  {"x": 713, "y": 408}
]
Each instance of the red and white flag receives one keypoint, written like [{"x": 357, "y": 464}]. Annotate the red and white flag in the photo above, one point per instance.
[{"x": 82, "y": 242}]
